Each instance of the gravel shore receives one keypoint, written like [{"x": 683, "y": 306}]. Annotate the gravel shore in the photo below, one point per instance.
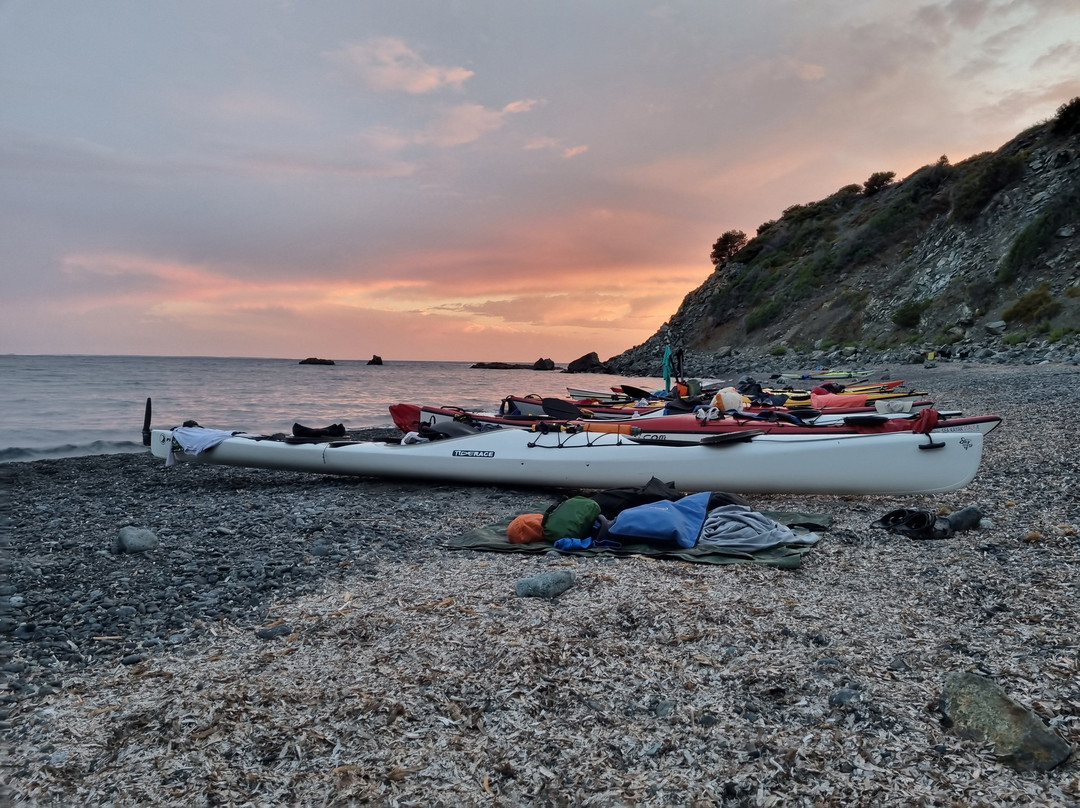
[{"x": 299, "y": 639}]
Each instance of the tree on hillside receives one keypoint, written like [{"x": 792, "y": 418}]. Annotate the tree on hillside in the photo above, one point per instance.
[
  {"x": 877, "y": 181},
  {"x": 1067, "y": 120},
  {"x": 726, "y": 246}
]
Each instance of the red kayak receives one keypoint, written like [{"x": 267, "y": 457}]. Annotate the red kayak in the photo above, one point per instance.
[
  {"x": 829, "y": 404},
  {"x": 697, "y": 425},
  {"x": 694, "y": 426}
]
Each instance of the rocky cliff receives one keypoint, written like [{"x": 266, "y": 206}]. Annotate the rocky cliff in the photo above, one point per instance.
[{"x": 981, "y": 258}]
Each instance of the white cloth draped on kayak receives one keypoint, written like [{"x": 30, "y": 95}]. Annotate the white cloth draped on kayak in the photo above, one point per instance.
[{"x": 196, "y": 439}]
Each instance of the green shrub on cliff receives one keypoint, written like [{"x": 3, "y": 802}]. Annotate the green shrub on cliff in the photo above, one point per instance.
[
  {"x": 1067, "y": 120},
  {"x": 907, "y": 315},
  {"x": 1036, "y": 305},
  {"x": 877, "y": 181},
  {"x": 1038, "y": 236},
  {"x": 764, "y": 315},
  {"x": 983, "y": 177}
]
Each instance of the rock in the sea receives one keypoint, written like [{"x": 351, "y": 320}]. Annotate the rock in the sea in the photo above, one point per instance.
[
  {"x": 539, "y": 364},
  {"x": 134, "y": 540},
  {"x": 501, "y": 366},
  {"x": 312, "y": 360},
  {"x": 979, "y": 709},
  {"x": 589, "y": 363},
  {"x": 375, "y": 360}
]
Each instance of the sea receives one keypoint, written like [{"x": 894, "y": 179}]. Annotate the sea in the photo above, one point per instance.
[{"x": 72, "y": 406}]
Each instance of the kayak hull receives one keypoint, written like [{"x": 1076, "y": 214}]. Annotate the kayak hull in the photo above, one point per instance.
[{"x": 887, "y": 464}]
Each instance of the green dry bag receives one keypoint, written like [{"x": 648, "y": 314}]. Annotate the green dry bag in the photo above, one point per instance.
[{"x": 571, "y": 519}]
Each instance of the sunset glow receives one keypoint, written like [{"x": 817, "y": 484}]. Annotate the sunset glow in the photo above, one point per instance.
[{"x": 351, "y": 178}]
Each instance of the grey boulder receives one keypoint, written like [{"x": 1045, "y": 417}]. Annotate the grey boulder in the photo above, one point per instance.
[
  {"x": 979, "y": 709},
  {"x": 134, "y": 540}
]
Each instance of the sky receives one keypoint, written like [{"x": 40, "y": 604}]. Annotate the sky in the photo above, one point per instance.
[{"x": 474, "y": 180}]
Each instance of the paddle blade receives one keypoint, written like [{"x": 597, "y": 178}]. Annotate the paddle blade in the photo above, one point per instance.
[
  {"x": 564, "y": 410},
  {"x": 869, "y": 419},
  {"x": 727, "y": 438},
  {"x": 636, "y": 392},
  {"x": 146, "y": 423}
]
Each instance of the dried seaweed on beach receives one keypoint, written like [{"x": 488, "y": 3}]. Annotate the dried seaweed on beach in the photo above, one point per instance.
[{"x": 377, "y": 668}]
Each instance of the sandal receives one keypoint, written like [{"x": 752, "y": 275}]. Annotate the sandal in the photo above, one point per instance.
[
  {"x": 925, "y": 525},
  {"x": 894, "y": 519}
]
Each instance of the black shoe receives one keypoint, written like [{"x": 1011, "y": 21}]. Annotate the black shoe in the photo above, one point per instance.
[
  {"x": 893, "y": 519},
  {"x": 925, "y": 525}
]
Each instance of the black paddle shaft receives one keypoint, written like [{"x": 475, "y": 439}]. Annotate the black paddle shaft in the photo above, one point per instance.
[{"x": 146, "y": 424}]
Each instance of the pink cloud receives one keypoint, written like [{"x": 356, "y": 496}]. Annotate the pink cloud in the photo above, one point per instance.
[
  {"x": 542, "y": 143},
  {"x": 387, "y": 64},
  {"x": 461, "y": 124}
]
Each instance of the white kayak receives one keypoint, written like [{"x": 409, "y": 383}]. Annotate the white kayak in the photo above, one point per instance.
[
  {"x": 597, "y": 395},
  {"x": 749, "y": 462}
]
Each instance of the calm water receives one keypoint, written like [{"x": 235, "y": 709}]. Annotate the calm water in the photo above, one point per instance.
[{"x": 66, "y": 406}]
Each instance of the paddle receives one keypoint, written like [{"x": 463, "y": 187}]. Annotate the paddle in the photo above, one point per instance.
[
  {"x": 563, "y": 410},
  {"x": 636, "y": 392},
  {"x": 869, "y": 419},
  {"x": 804, "y": 414},
  {"x": 731, "y": 437},
  {"x": 146, "y": 424}
]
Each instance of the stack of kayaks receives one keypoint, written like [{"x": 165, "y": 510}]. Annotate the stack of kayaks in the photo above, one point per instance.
[
  {"x": 697, "y": 425},
  {"x": 751, "y": 448},
  {"x": 823, "y": 374},
  {"x": 859, "y": 398}
]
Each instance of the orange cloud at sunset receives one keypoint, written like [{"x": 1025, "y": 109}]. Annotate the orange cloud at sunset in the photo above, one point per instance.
[{"x": 559, "y": 309}]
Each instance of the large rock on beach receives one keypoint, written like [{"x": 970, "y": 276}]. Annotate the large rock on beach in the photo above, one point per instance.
[
  {"x": 134, "y": 540},
  {"x": 980, "y": 710}
]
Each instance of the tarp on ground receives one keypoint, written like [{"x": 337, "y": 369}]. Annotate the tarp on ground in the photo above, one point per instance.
[{"x": 493, "y": 538}]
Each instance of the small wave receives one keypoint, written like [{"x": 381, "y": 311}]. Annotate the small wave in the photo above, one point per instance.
[{"x": 18, "y": 454}]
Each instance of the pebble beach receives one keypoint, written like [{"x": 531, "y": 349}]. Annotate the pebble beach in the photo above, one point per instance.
[{"x": 295, "y": 639}]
